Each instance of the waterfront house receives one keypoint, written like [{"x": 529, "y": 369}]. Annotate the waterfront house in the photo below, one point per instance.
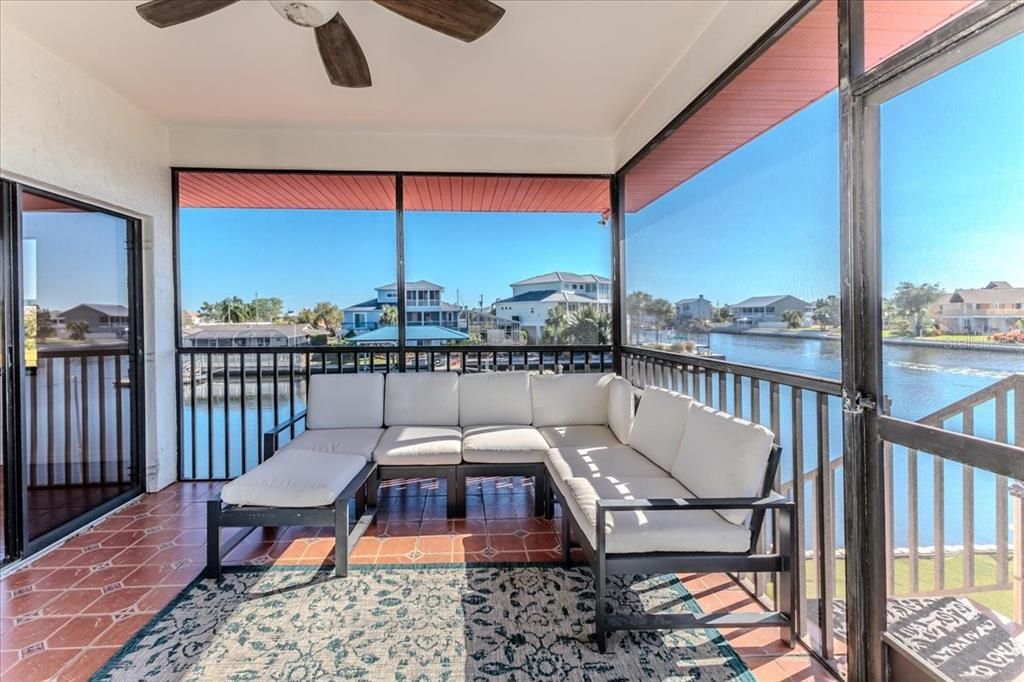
[
  {"x": 995, "y": 307},
  {"x": 423, "y": 306},
  {"x": 688, "y": 309},
  {"x": 104, "y": 319},
  {"x": 533, "y": 299},
  {"x": 767, "y": 309},
  {"x": 248, "y": 335}
]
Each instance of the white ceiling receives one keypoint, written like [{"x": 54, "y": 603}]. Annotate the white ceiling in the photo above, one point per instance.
[{"x": 548, "y": 68}]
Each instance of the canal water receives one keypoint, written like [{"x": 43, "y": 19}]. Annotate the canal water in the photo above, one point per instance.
[{"x": 918, "y": 381}]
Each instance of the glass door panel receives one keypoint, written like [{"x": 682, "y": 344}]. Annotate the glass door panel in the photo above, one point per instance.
[
  {"x": 77, "y": 397},
  {"x": 951, "y": 161}
]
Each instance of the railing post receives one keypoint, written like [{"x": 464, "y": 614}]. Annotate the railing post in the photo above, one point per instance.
[{"x": 1018, "y": 553}]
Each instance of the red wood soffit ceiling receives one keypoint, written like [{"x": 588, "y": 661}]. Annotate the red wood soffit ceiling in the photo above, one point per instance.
[
  {"x": 799, "y": 69},
  {"x": 202, "y": 189}
]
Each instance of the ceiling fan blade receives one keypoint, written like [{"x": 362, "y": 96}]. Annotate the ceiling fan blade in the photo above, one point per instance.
[
  {"x": 164, "y": 13},
  {"x": 342, "y": 56},
  {"x": 463, "y": 19}
]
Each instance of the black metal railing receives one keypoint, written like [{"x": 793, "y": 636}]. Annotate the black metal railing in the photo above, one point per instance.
[
  {"x": 804, "y": 413},
  {"x": 228, "y": 397},
  {"x": 78, "y": 418}
]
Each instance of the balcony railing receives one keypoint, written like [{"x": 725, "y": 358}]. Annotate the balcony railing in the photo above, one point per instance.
[
  {"x": 804, "y": 413},
  {"x": 78, "y": 424},
  {"x": 228, "y": 398}
]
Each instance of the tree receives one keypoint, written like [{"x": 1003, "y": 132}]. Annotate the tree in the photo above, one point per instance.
[
  {"x": 590, "y": 326},
  {"x": 721, "y": 314},
  {"x": 231, "y": 309},
  {"x": 555, "y": 325},
  {"x": 389, "y": 316},
  {"x": 324, "y": 315},
  {"x": 663, "y": 314},
  {"x": 44, "y": 325},
  {"x": 637, "y": 306},
  {"x": 794, "y": 319},
  {"x": 77, "y": 329},
  {"x": 265, "y": 309},
  {"x": 826, "y": 312},
  {"x": 913, "y": 301}
]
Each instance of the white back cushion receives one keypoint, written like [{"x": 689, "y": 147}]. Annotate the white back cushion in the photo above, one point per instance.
[
  {"x": 345, "y": 401},
  {"x": 722, "y": 456},
  {"x": 659, "y": 425},
  {"x": 570, "y": 399},
  {"x": 620, "y": 408},
  {"x": 422, "y": 399},
  {"x": 493, "y": 398}
]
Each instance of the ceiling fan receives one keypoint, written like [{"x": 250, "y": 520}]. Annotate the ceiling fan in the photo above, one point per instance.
[{"x": 342, "y": 56}]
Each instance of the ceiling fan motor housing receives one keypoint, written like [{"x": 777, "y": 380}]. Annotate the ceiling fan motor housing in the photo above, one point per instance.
[{"x": 307, "y": 13}]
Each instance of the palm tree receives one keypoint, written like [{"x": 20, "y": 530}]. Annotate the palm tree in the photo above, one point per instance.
[
  {"x": 663, "y": 313},
  {"x": 590, "y": 326},
  {"x": 388, "y": 316},
  {"x": 638, "y": 304},
  {"x": 555, "y": 325}
]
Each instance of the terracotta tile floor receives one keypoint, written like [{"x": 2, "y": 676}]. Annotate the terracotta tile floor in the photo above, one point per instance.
[{"x": 64, "y": 614}]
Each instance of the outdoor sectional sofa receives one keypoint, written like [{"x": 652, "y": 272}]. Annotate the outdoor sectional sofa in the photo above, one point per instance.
[{"x": 663, "y": 485}]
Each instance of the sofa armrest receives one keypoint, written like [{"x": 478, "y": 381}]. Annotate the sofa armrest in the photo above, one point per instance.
[
  {"x": 272, "y": 437},
  {"x": 772, "y": 501}
]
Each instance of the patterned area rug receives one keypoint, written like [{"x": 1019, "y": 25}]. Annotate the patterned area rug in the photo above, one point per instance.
[{"x": 417, "y": 622}]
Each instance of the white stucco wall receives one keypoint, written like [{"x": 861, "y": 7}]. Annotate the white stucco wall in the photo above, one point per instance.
[
  {"x": 326, "y": 149},
  {"x": 61, "y": 130}
]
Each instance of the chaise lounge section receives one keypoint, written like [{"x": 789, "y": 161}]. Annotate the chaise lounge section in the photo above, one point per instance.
[{"x": 689, "y": 494}]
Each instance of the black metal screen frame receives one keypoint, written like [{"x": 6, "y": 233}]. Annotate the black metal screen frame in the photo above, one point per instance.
[{"x": 15, "y": 446}]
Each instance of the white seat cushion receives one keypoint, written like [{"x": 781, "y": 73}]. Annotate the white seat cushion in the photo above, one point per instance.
[
  {"x": 659, "y": 425},
  {"x": 294, "y": 478},
  {"x": 723, "y": 456},
  {"x": 614, "y": 463},
  {"x": 338, "y": 441},
  {"x": 421, "y": 445},
  {"x": 579, "y": 436},
  {"x": 511, "y": 443},
  {"x": 621, "y": 408},
  {"x": 662, "y": 531},
  {"x": 495, "y": 398},
  {"x": 570, "y": 399},
  {"x": 421, "y": 399},
  {"x": 343, "y": 401}
]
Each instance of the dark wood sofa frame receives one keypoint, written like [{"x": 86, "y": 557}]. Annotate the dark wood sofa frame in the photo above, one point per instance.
[
  {"x": 781, "y": 561},
  {"x": 454, "y": 475}
]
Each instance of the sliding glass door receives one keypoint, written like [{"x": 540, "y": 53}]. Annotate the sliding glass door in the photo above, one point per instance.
[{"x": 72, "y": 360}]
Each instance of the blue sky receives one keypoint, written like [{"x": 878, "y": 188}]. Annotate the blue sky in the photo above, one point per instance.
[
  {"x": 340, "y": 256},
  {"x": 72, "y": 258},
  {"x": 763, "y": 220}
]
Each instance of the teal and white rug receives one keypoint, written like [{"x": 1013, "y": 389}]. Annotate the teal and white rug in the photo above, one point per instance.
[{"x": 417, "y": 622}]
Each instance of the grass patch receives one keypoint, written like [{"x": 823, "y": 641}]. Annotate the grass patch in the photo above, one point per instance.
[{"x": 985, "y": 573}]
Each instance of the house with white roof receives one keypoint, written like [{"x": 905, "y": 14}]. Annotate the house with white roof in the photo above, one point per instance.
[{"x": 533, "y": 298}]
